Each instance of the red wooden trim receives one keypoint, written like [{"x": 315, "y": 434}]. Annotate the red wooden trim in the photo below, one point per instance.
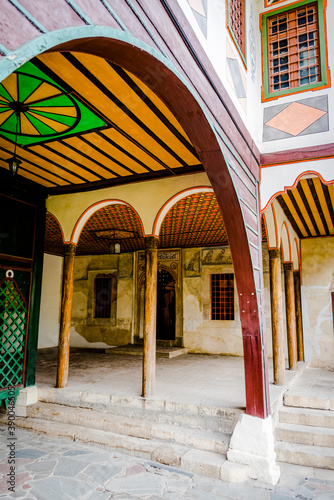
[{"x": 321, "y": 152}]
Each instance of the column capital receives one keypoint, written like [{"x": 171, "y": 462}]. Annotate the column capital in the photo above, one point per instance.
[
  {"x": 70, "y": 248},
  {"x": 151, "y": 242},
  {"x": 274, "y": 253},
  {"x": 288, "y": 266}
]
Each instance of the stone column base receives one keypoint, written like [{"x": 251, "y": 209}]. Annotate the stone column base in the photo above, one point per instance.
[
  {"x": 252, "y": 444},
  {"x": 27, "y": 396}
]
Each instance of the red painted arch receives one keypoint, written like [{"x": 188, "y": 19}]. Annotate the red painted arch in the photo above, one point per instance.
[{"x": 86, "y": 215}]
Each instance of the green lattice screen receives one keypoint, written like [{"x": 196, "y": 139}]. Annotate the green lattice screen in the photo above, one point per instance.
[{"x": 13, "y": 319}]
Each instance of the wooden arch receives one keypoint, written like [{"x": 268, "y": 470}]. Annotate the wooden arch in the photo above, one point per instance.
[{"x": 160, "y": 74}]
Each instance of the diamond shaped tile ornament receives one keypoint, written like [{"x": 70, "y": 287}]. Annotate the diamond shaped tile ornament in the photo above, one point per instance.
[
  {"x": 13, "y": 319},
  {"x": 295, "y": 118},
  {"x": 37, "y": 109},
  {"x": 199, "y": 8}
]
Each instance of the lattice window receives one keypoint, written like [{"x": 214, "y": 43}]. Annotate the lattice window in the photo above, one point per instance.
[
  {"x": 293, "y": 48},
  {"x": 222, "y": 296},
  {"x": 105, "y": 294},
  {"x": 13, "y": 319},
  {"x": 236, "y": 23}
]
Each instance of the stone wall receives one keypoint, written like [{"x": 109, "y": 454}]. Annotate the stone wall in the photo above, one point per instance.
[
  {"x": 317, "y": 287},
  {"x": 88, "y": 331}
]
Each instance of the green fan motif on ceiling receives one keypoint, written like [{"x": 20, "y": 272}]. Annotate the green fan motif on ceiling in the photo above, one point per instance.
[{"x": 38, "y": 110}]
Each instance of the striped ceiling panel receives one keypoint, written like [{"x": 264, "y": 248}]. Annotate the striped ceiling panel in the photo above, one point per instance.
[
  {"x": 310, "y": 207},
  {"x": 81, "y": 119}
]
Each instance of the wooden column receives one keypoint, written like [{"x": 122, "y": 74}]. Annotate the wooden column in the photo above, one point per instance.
[
  {"x": 277, "y": 315},
  {"x": 151, "y": 271},
  {"x": 65, "y": 319},
  {"x": 290, "y": 314},
  {"x": 299, "y": 322}
]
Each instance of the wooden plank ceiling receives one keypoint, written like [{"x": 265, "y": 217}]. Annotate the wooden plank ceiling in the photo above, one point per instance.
[
  {"x": 310, "y": 207},
  {"x": 85, "y": 122},
  {"x": 194, "y": 221}
]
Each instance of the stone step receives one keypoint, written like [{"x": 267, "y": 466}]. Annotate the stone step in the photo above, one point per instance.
[
  {"x": 303, "y": 454},
  {"x": 307, "y": 416},
  {"x": 195, "y": 461},
  {"x": 305, "y": 434},
  {"x": 137, "y": 350},
  {"x": 146, "y": 429},
  {"x": 193, "y": 416},
  {"x": 308, "y": 402}
]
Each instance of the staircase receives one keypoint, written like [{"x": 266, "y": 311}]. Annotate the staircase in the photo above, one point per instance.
[
  {"x": 194, "y": 438},
  {"x": 305, "y": 433}
]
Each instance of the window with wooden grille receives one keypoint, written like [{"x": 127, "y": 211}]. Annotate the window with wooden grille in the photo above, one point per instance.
[
  {"x": 295, "y": 59},
  {"x": 236, "y": 24},
  {"x": 105, "y": 294},
  {"x": 222, "y": 296}
]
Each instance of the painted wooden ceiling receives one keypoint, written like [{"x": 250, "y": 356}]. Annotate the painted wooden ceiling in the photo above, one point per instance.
[
  {"x": 79, "y": 120},
  {"x": 310, "y": 207},
  {"x": 194, "y": 221}
]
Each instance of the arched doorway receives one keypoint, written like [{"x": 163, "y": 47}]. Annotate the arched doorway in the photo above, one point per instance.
[{"x": 165, "y": 305}]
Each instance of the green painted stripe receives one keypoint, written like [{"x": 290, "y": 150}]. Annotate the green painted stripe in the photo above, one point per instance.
[
  {"x": 251, "y": 229},
  {"x": 236, "y": 155},
  {"x": 114, "y": 15},
  {"x": 28, "y": 15},
  {"x": 78, "y": 10},
  {"x": 148, "y": 31},
  {"x": 248, "y": 206},
  {"x": 4, "y": 51}
]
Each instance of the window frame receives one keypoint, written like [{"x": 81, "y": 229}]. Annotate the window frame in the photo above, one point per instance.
[
  {"x": 232, "y": 291},
  {"x": 267, "y": 4},
  {"x": 243, "y": 55},
  {"x": 322, "y": 37},
  {"x": 113, "y": 294}
]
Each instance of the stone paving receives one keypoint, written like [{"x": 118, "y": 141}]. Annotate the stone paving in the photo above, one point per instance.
[{"x": 58, "y": 469}]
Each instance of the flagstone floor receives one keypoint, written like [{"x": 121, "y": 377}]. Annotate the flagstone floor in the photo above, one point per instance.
[{"x": 49, "y": 468}]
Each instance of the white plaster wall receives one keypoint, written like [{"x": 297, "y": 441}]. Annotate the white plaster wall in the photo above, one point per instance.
[
  {"x": 318, "y": 276},
  {"x": 215, "y": 46},
  {"x": 50, "y": 301},
  {"x": 277, "y": 179}
]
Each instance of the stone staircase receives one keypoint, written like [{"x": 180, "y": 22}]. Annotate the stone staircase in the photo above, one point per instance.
[
  {"x": 305, "y": 432},
  {"x": 194, "y": 438}
]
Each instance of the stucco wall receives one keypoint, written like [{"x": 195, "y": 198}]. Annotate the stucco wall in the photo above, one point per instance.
[
  {"x": 50, "y": 301},
  {"x": 200, "y": 333},
  {"x": 88, "y": 331},
  {"x": 318, "y": 278}
]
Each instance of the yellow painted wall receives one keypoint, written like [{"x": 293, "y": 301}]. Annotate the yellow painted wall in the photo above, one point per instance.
[{"x": 145, "y": 197}]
